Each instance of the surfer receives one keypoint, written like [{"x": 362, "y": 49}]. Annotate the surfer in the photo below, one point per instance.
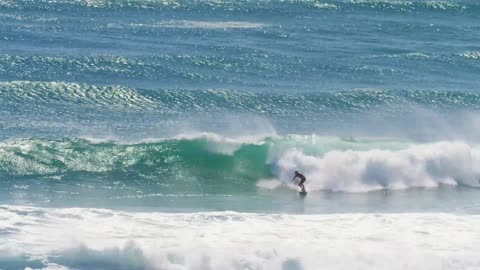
[{"x": 302, "y": 180}]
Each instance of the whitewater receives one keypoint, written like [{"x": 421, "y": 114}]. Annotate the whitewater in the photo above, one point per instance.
[
  {"x": 145, "y": 134},
  {"x": 206, "y": 240}
]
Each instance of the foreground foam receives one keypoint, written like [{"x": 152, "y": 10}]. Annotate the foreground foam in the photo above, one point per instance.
[{"x": 109, "y": 239}]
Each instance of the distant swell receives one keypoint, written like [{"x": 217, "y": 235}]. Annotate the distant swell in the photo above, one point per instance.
[
  {"x": 17, "y": 94},
  {"x": 245, "y": 6},
  {"x": 209, "y": 160},
  {"x": 25, "y": 93}
]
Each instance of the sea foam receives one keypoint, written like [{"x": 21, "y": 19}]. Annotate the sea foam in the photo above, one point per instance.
[{"x": 89, "y": 238}]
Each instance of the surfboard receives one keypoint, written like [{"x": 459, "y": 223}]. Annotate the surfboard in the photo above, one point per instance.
[{"x": 302, "y": 193}]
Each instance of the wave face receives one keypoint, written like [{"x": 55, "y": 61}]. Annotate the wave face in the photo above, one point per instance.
[
  {"x": 213, "y": 163},
  {"x": 170, "y": 161}
]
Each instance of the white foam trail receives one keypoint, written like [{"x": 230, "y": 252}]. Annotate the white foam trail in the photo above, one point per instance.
[
  {"x": 441, "y": 5},
  {"x": 427, "y": 165},
  {"x": 269, "y": 184},
  {"x": 471, "y": 55},
  {"x": 80, "y": 238},
  {"x": 188, "y": 24}
]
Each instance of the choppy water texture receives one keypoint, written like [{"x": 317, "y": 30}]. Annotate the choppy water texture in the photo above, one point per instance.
[{"x": 154, "y": 129}]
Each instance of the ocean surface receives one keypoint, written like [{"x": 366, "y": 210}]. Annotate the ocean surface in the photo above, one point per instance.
[{"x": 163, "y": 134}]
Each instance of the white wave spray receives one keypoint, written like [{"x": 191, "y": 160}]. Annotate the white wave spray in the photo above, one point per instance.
[{"x": 425, "y": 165}]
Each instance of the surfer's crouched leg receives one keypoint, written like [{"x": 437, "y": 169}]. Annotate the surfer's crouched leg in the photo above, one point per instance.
[{"x": 301, "y": 185}]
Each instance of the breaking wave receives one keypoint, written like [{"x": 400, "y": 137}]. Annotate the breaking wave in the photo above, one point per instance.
[{"x": 330, "y": 163}]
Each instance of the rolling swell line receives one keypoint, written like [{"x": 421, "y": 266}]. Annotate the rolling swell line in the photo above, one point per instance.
[
  {"x": 188, "y": 67},
  {"x": 32, "y": 93},
  {"x": 245, "y": 5},
  {"x": 222, "y": 70},
  {"x": 60, "y": 93}
]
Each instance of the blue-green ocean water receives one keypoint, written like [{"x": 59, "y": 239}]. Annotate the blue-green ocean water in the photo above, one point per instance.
[
  {"x": 137, "y": 69},
  {"x": 210, "y": 105},
  {"x": 184, "y": 93}
]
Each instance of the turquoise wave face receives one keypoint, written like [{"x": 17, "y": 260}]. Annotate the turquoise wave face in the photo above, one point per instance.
[{"x": 173, "y": 164}]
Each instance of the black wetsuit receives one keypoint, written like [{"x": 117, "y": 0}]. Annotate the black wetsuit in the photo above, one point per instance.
[{"x": 302, "y": 178}]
